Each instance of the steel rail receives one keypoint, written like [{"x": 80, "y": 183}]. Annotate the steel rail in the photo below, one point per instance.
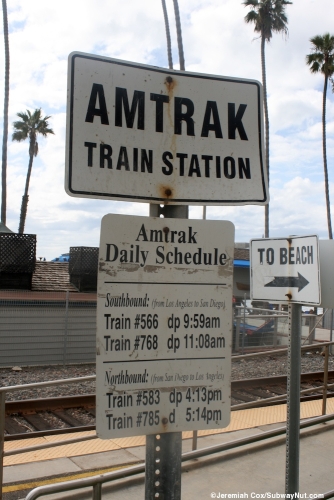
[
  {"x": 23, "y": 387},
  {"x": 283, "y": 397},
  {"x": 43, "y": 404},
  {"x": 277, "y": 379},
  {"x": 51, "y": 432},
  {"x": 97, "y": 481}
]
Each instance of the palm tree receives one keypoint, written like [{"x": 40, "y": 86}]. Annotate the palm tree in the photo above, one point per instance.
[
  {"x": 30, "y": 126},
  {"x": 268, "y": 17},
  {"x": 179, "y": 35},
  {"x": 5, "y": 116},
  {"x": 322, "y": 61},
  {"x": 169, "y": 43}
]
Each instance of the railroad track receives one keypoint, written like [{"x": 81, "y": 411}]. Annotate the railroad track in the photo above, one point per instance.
[
  {"x": 40, "y": 417},
  {"x": 272, "y": 390}
]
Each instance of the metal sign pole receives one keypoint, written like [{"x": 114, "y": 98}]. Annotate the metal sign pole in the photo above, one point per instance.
[
  {"x": 163, "y": 451},
  {"x": 293, "y": 401},
  {"x": 163, "y": 466}
]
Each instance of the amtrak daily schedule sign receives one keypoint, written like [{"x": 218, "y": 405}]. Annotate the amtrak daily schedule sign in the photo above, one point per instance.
[
  {"x": 149, "y": 134},
  {"x": 286, "y": 269},
  {"x": 164, "y": 325}
]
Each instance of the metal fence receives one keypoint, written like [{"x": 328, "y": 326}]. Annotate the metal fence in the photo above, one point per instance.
[
  {"x": 17, "y": 260},
  {"x": 265, "y": 328},
  {"x": 83, "y": 266},
  {"x": 46, "y": 329}
]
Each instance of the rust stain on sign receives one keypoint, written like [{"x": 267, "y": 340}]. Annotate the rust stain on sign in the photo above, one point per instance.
[
  {"x": 165, "y": 191},
  {"x": 103, "y": 268},
  {"x": 164, "y": 422},
  {"x": 171, "y": 84},
  {"x": 153, "y": 269}
]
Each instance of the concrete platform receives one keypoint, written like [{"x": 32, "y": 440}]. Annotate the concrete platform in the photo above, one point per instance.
[{"x": 251, "y": 470}]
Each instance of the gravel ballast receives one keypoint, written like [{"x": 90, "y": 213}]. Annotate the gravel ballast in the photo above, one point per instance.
[{"x": 266, "y": 366}]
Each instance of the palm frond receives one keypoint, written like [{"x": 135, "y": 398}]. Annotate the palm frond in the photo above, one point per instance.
[
  {"x": 19, "y": 136},
  {"x": 251, "y": 17},
  {"x": 24, "y": 116},
  {"x": 251, "y": 3},
  {"x": 21, "y": 126},
  {"x": 332, "y": 82}
]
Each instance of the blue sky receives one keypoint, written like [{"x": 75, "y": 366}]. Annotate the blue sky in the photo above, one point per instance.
[{"x": 216, "y": 41}]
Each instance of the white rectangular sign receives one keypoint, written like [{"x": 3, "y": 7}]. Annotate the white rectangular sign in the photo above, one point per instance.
[
  {"x": 149, "y": 134},
  {"x": 286, "y": 270},
  {"x": 164, "y": 325}
]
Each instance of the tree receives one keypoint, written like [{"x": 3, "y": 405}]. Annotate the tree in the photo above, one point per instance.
[
  {"x": 30, "y": 126},
  {"x": 5, "y": 116},
  {"x": 321, "y": 60},
  {"x": 268, "y": 17},
  {"x": 179, "y": 35},
  {"x": 169, "y": 43}
]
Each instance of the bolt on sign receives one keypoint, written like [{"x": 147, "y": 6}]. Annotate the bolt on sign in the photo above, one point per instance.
[
  {"x": 286, "y": 269},
  {"x": 164, "y": 325},
  {"x": 148, "y": 134}
]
